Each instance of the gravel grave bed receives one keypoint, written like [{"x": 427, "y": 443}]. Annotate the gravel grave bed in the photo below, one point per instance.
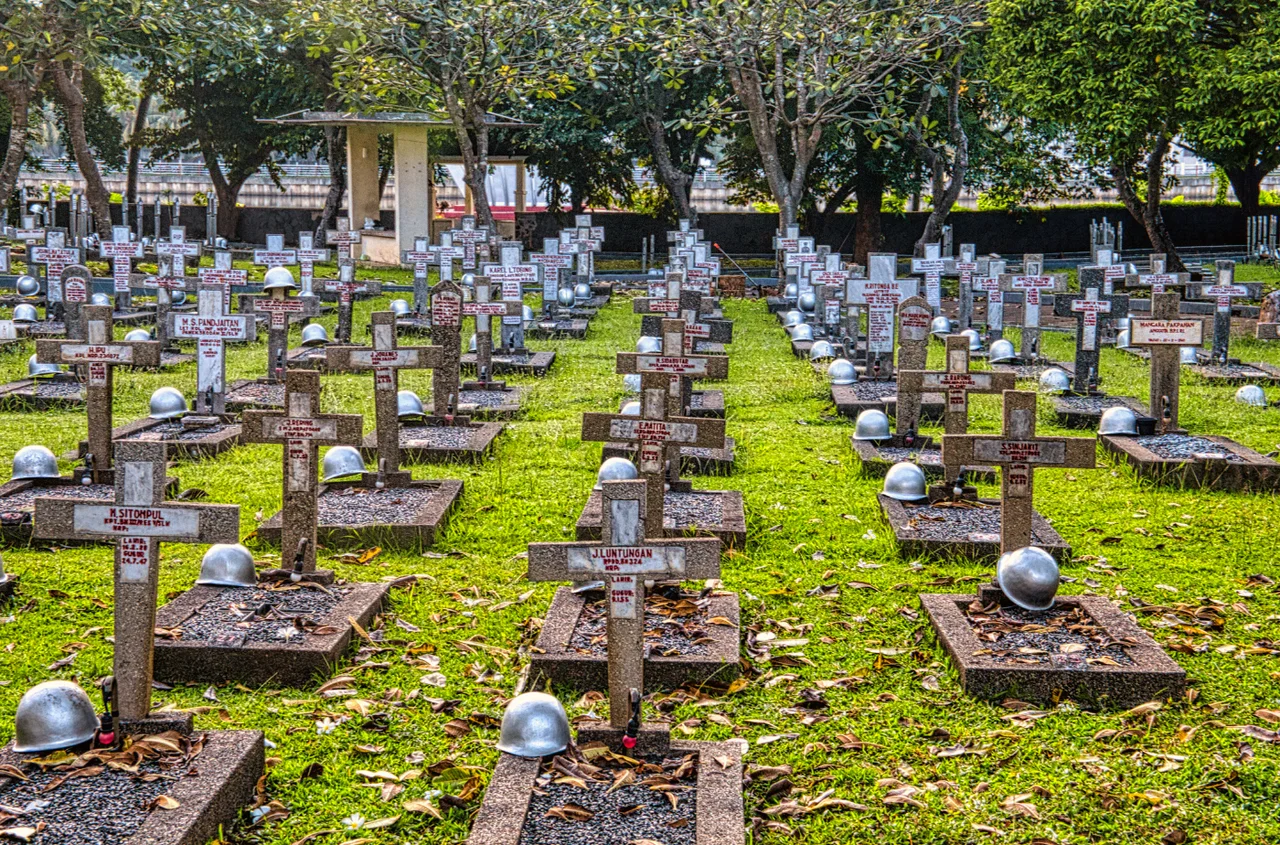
[
  {"x": 171, "y": 358},
  {"x": 955, "y": 523},
  {"x": 700, "y": 452},
  {"x": 625, "y": 815},
  {"x": 693, "y": 510},
  {"x": 55, "y": 389},
  {"x": 105, "y": 808},
  {"x": 1022, "y": 371},
  {"x": 870, "y": 391},
  {"x": 1059, "y": 635},
  {"x": 281, "y": 615},
  {"x": 272, "y": 394},
  {"x": 1232, "y": 371},
  {"x": 309, "y": 355},
  {"x": 924, "y": 457},
  {"x": 177, "y": 431},
  {"x": 371, "y": 506},
  {"x": 24, "y": 500},
  {"x": 486, "y": 398},
  {"x": 1185, "y": 447},
  {"x": 50, "y": 326},
  {"x": 1096, "y": 404},
  {"x": 521, "y": 358},
  {"x": 674, "y": 626},
  {"x": 435, "y": 436}
]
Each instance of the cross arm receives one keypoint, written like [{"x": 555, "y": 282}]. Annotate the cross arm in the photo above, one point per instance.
[
  {"x": 140, "y": 353},
  {"x": 695, "y": 366},
  {"x": 73, "y": 519},
  {"x": 340, "y": 358},
  {"x": 687, "y": 431},
  {"x": 998, "y": 450},
  {"x": 570, "y": 561},
  {"x": 263, "y": 426}
]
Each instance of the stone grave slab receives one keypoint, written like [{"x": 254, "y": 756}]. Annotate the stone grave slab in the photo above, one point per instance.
[
  {"x": 967, "y": 530},
  {"x": 706, "y": 403},
  {"x": 528, "y": 363},
  {"x": 264, "y": 394},
  {"x": 311, "y": 357},
  {"x": 1097, "y": 676},
  {"x": 63, "y": 391},
  {"x": 1085, "y": 411},
  {"x": 17, "y": 505},
  {"x": 1236, "y": 372},
  {"x": 220, "y": 634},
  {"x": 704, "y": 513},
  {"x": 557, "y": 329},
  {"x": 876, "y": 456},
  {"x": 1205, "y": 462},
  {"x": 189, "y": 438},
  {"x": 360, "y": 515},
  {"x": 426, "y": 443},
  {"x": 852, "y": 399},
  {"x": 1032, "y": 372}
]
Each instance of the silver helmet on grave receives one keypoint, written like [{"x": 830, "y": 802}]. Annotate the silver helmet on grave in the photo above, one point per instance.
[
  {"x": 53, "y": 715},
  {"x": 565, "y": 296},
  {"x": 791, "y": 291},
  {"x": 400, "y": 307},
  {"x": 975, "y": 339},
  {"x": 940, "y": 327},
  {"x": 409, "y": 405},
  {"x": 631, "y": 382},
  {"x": 582, "y": 290},
  {"x": 1055, "y": 380},
  {"x": 34, "y": 462},
  {"x": 1189, "y": 355},
  {"x": 468, "y": 280},
  {"x": 534, "y": 725},
  {"x": 821, "y": 350},
  {"x": 630, "y": 408},
  {"x": 279, "y": 278},
  {"x": 871, "y": 425},
  {"x": 341, "y": 462},
  {"x": 526, "y": 315},
  {"x": 842, "y": 371},
  {"x": 1118, "y": 420},
  {"x": 648, "y": 345},
  {"x": 99, "y": 299},
  {"x": 26, "y": 313},
  {"x": 137, "y": 335},
  {"x": 167, "y": 403},
  {"x": 792, "y": 318},
  {"x": 38, "y": 369},
  {"x": 1028, "y": 577},
  {"x": 616, "y": 469},
  {"x": 808, "y": 302},
  {"x": 803, "y": 331},
  {"x": 905, "y": 482},
  {"x": 315, "y": 335},
  {"x": 227, "y": 565},
  {"x": 1002, "y": 351},
  {"x": 1122, "y": 339},
  {"x": 1253, "y": 395},
  {"x": 28, "y": 286}
]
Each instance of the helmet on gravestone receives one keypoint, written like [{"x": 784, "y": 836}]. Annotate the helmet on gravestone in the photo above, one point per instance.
[
  {"x": 34, "y": 462},
  {"x": 803, "y": 331},
  {"x": 940, "y": 327},
  {"x": 1252, "y": 394},
  {"x": 314, "y": 335},
  {"x": 821, "y": 351},
  {"x": 905, "y": 482},
  {"x": 526, "y": 314},
  {"x": 792, "y": 318},
  {"x": 177, "y": 297},
  {"x": 1028, "y": 577},
  {"x": 468, "y": 280},
  {"x": 400, "y": 307},
  {"x": 227, "y": 565},
  {"x": 1122, "y": 324},
  {"x": 975, "y": 339},
  {"x": 36, "y": 369},
  {"x": 1122, "y": 340},
  {"x": 1118, "y": 420},
  {"x": 1001, "y": 351},
  {"x": 648, "y": 345},
  {"x": 220, "y": 243},
  {"x": 1055, "y": 380},
  {"x": 408, "y": 405},
  {"x": 808, "y": 302},
  {"x": 534, "y": 725},
  {"x": 53, "y": 715},
  {"x": 25, "y": 313},
  {"x": 99, "y": 299},
  {"x": 167, "y": 403},
  {"x": 137, "y": 335},
  {"x": 631, "y": 382},
  {"x": 791, "y": 291},
  {"x": 630, "y": 408},
  {"x": 28, "y": 286},
  {"x": 616, "y": 469},
  {"x": 582, "y": 291},
  {"x": 471, "y": 344},
  {"x": 841, "y": 371},
  {"x": 564, "y": 296},
  {"x": 341, "y": 462},
  {"x": 279, "y": 278},
  {"x": 871, "y": 425},
  {"x": 1189, "y": 355}
]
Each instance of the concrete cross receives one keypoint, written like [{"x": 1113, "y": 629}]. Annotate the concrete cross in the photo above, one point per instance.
[
  {"x": 386, "y": 359},
  {"x": 447, "y": 253},
  {"x": 931, "y": 267},
  {"x": 446, "y": 334},
  {"x": 101, "y": 354},
  {"x": 1164, "y": 333},
  {"x": 966, "y": 266},
  {"x": 956, "y": 382},
  {"x": 989, "y": 284},
  {"x": 1033, "y": 283},
  {"x": 468, "y": 236},
  {"x": 483, "y": 309},
  {"x": 510, "y": 276},
  {"x": 690, "y": 304},
  {"x": 1018, "y": 451},
  {"x": 347, "y": 287},
  {"x": 308, "y": 254},
  {"x": 420, "y": 257},
  {"x": 881, "y": 292},
  {"x": 165, "y": 282},
  {"x": 56, "y": 256},
  {"x": 1113, "y": 269},
  {"x": 30, "y": 233},
  {"x": 1223, "y": 291},
  {"x": 275, "y": 255},
  {"x": 138, "y": 520},
  {"x": 226, "y": 277},
  {"x": 342, "y": 237},
  {"x": 121, "y": 250},
  {"x": 301, "y": 429},
  {"x": 1091, "y": 310},
  {"x": 915, "y": 318},
  {"x": 625, "y": 559},
  {"x": 179, "y": 249},
  {"x": 552, "y": 263},
  {"x": 1157, "y": 278},
  {"x": 279, "y": 305},
  {"x": 211, "y": 327},
  {"x": 833, "y": 274}
]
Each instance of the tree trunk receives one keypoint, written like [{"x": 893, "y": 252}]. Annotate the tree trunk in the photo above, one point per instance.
[
  {"x": 1247, "y": 184},
  {"x": 747, "y": 86},
  {"x": 1148, "y": 213},
  {"x": 676, "y": 181},
  {"x": 227, "y": 190},
  {"x": 68, "y": 84},
  {"x": 19, "y": 96},
  {"x": 335, "y": 143},
  {"x": 946, "y": 189},
  {"x": 823, "y": 222},
  {"x": 868, "y": 235},
  {"x": 135, "y": 146}
]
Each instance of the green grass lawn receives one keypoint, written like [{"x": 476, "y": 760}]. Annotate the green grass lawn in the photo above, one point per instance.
[{"x": 894, "y": 702}]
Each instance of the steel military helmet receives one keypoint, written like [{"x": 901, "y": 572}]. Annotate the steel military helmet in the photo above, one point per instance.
[
  {"x": 34, "y": 462},
  {"x": 808, "y": 302},
  {"x": 408, "y": 405},
  {"x": 526, "y": 314},
  {"x": 26, "y": 313},
  {"x": 1028, "y": 577},
  {"x": 53, "y": 715},
  {"x": 792, "y": 318},
  {"x": 1122, "y": 324},
  {"x": 400, "y": 307},
  {"x": 1122, "y": 339},
  {"x": 279, "y": 278},
  {"x": 1002, "y": 351},
  {"x": 471, "y": 344},
  {"x": 803, "y": 331},
  {"x": 1189, "y": 355},
  {"x": 630, "y": 409},
  {"x": 137, "y": 335},
  {"x": 616, "y": 469},
  {"x": 99, "y": 299},
  {"x": 821, "y": 350},
  {"x": 582, "y": 290},
  {"x": 1252, "y": 394},
  {"x": 791, "y": 291},
  {"x": 564, "y": 296},
  {"x": 1118, "y": 420},
  {"x": 905, "y": 482},
  {"x": 227, "y": 565},
  {"x": 631, "y": 382},
  {"x": 315, "y": 335},
  {"x": 534, "y": 725},
  {"x": 37, "y": 369},
  {"x": 871, "y": 425},
  {"x": 842, "y": 371},
  {"x": 940, "y": 327},
  {"x": 648, "y": 345},
  {"x": 341, "y": 462},
  {"x": 28, "y": 286},
  {"x": 167, "y": 403},
  {"x": 1055, "y": 380},
  {"x": 468, "y": 280},
  {"x": 975, "y": 339}
]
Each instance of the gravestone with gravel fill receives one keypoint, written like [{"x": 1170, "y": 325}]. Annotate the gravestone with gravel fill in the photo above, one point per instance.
[{"x": 1218, "y": 365}]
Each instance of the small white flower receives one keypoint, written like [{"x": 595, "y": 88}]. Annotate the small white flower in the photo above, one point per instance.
[
  {"x": 870, "y": 535},
  {"x": 325, "y": 726},
  {"x": 258, "y": 812},
  {"x": 355, "y": 821}
]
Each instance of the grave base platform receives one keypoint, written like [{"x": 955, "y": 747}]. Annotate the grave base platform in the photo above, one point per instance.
[
  {"x": 255, "y": 393},
  {"x": 355, "y": 514},
  {"x": 602, "y": 289},
  {"x": 1235, "y": 372},
  {"x": 719, "y": 817},
  {"x": 223, "y": 781},
  {"x": 440, "y": 443},
  {"x": 60, "y": 392},
  {"x": 555, "y": 659},
  {"x": 413, "y": 326},
  {"x": 174, "y": 358},
  {"x": 968, "y": 532},
  {"x": 192, "y": 442},
  {"x": 556, "y": 329},
  {"x": 1078, "y": 410},
  {"x": 527, "y": 363},
  {"x": 295, "y": 663},
  {"x": 694, "y": 460},
  {"x": 1151, "y": 675},
  {"x": 870, "y": 395},
  {"x": 1027, "y": 370},
  {"x": 699, "y": 513},
  {"x": 309, "y": 358},
  {"x": 1199, "y": 462},
  {"x": 496, "y": 401},
  {"x": 876, "y": 456},
  {"x": 779, "y": 305},
  {"x": 17, "y": 505},
  {"x": 706, "y": 403}
]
